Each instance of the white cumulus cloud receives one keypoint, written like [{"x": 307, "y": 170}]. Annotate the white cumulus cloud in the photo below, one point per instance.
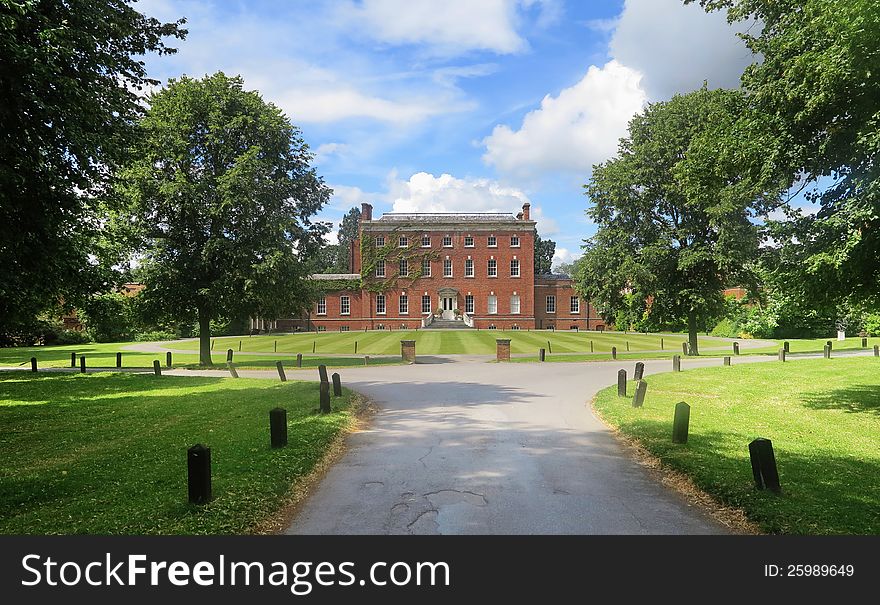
[
  {"x": 676, "y": 47},
  {"x": 424, "y": 192},
  {"x": 574, "y": 130}
]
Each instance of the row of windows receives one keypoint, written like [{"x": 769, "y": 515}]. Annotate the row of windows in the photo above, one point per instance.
[
  {"x": 403, "y": 305},
  {"x": 446, "y": 241},
  {"x": 491, "y": 269}
]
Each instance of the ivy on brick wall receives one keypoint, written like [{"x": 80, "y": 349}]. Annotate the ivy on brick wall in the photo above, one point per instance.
[{"x": 392, "y": 253}]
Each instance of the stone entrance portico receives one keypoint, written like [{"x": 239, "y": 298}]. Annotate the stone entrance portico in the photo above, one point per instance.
[{"x": 448, "y": 298}]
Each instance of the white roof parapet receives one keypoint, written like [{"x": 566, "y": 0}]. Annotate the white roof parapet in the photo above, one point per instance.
[
  {"x": 435, "y": 217},
  {"x": 334, "y": 276}
]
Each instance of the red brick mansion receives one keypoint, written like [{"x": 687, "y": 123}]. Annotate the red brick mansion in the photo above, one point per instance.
[{"x": 445, "y": 270}]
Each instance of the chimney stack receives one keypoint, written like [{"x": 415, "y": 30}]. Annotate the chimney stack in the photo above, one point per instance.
[
  {"x": 519, "y": 216},
  {"x": 366, "y": 212},
  {"x": 525, "y": 212}
]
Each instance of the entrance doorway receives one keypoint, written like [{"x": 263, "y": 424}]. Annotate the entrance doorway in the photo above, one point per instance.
[{"x": 448, "y": 304}]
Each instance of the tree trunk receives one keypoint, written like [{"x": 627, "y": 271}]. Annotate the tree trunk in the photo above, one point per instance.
[
  {"x": 692, "y": 333},
  {"x": 205, "y": 339}
]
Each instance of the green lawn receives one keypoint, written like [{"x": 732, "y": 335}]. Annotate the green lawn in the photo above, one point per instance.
[
  {"x": 106, "y": 453},
  {"x": 440, "y": 342},
  {"x": 822, "y": 416},
  {"x": 103, "y": 355}
]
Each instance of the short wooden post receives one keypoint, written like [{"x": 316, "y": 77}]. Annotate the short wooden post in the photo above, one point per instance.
[
  {"x": 280, "y": 367},
  {"x": 613, "y": 352},
  {"x": 640, "y": 371},
  {"x": 736, "y": 348},
  {"x": 212, "y": 344},
  {"x": 684, "y": 348},
  {"x": 639, "y": 399},
  {"x": 73, "y": 359},
  {"x": 278, "y": 427},
  {"x": 621, "y": 383},
  {"x": 299, "y": 360},
  {"x": 764, "y": 465},
  {"x": 276, "y": 347},
  {"x": 680, "y": 422},
  {"x": 324, "y": 390},
  {"x": 229, "y": 355},
  {"x": 239, "y": 346},
  {"x": 549, "y": 348},
  {"x": 366, "y": 360},
  {"x": 676, "y": 363},
  {"x": 541, "y": 354},
  {"x": 322, "y": 373},
  {"x": 33, "y": 364},
  {"x": 198, "y": 467},
  {"x": 876, "y": 350},
  {"x": 591, "y": 346},
  {"x": 782, "y": 355},
  {"x": 727, "y": 360},
  {"x": 168, "y": 359},
  {"x": 157, "y": 367},
  {"x": 864, "y": 343},
  {"x": 314, "y": 346},
  {"x": 337, "y": 385},
  {"x": 355, "y": 347},
  {"x": 119, "y": 360},
  {"x": 662, "y": 348},
  {"x": 82, "y": 364},
  {"x": 826, "y": 352},
  {"x": 785, "y": 346},
  {"x": 232, "y": 371},
  {"x": 829, "y": 344},
  {"x": 627, "y": 346}
]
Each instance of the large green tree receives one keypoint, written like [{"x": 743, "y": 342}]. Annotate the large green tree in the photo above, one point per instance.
[
  {"x": 674, "y": 227},
  {"x": 544, "y": 251},
  {"x": 223, "y": 197},
  {"x": 70, "y": 76},
  {"x": 819, "y": 79}
]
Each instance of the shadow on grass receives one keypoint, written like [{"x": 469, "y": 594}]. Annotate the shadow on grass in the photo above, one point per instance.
[{"x": 857, "y": 398}]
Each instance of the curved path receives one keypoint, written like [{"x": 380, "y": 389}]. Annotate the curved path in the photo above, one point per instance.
[{"x": 477, "y": 448}]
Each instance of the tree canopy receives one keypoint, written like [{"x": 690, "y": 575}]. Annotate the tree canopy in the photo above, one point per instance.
[
  {"x": 544, "y": 251},
  {"x": 675, "y": 211},
  {"x": 70, "y": 78},
  {"x": 222, "y": 195},
  {"x": 819, "y": 81}
]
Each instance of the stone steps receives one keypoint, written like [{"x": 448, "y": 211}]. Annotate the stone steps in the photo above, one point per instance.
[{"x": 448, "y": 324}]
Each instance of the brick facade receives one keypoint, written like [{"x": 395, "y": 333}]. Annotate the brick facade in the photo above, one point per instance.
[{"x": 479, "y": 264}]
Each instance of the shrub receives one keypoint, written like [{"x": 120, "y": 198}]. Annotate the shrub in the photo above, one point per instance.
[
  {"x": 109, "y": 317},
  {"x": 872, "y": 324},
  {"x": 725, "y": 329},
  {"x": 72, "y": 337}
]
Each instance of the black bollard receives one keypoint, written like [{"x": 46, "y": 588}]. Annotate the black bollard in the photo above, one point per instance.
[
  {"x": 324, "y": 390},
  {"x": 239, "y": 346},
  {"x": 198, "y": 470},
  {"x": 627, "y": 346},
  {"x": 73, "y": 359},
  {"x": 676, "y": 363},
  {"x": 82, "y": 364},
  {"x": 157, "y": 368},
  {"x": 228, "y": 355},
  {"x": 864, "y": 343},
  {"x": 355, "y": 347},
  {"x": 727, "y": 361},
  {"x": 322, "y": 372},
  {"x": 640, "y": 371},
  {"x": 613, "y": 352},
  {"x": 764, "y": 465},
  {"x": 680, "y": 422},
  {"x": 278, "y": 427},
  {"x": 591, "y": 346},
  {"x": 662, "y": 348},
  {"x": 33, "y": 364},
  {"x": 168, "y": 359},
  {"x": 299, "y": 360},
  {"x": 736, "y": 348},
  {"x": 119, "y": 360},
  {"x": 541, "y": 354},
  {"x": 785, "y": 346},
  {"x": 232, "y": 371},
  {"x": 337, "y": 385},
  {"x": 549, "y": 348},
  {"x": 621, "y": 383},
  {"x": 639, "y": 399},
  {"x": 281, "y": 373},
  {"x": 314, "y": 345},
  {"x": 276, "y": 347}
]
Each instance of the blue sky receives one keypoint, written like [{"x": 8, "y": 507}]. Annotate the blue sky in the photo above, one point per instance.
[{"x": 459, "y": 105}]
